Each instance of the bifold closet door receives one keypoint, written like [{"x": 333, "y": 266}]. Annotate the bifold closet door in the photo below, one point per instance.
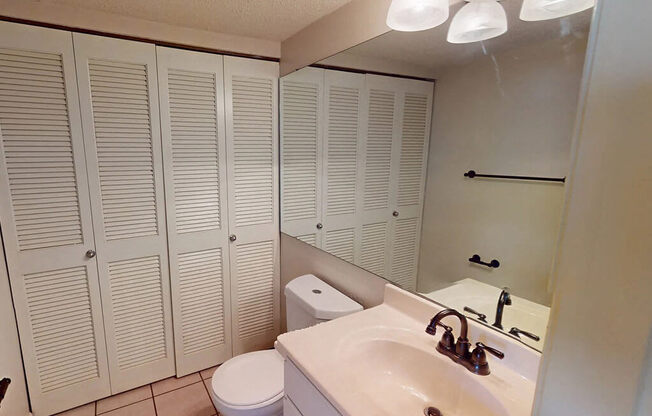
[
  {"x": 191, "y": 87},
  {"x": 301, "y": 154},
  {"x": 342, "y": 180},
  {"x": 251, "y": 96},
  {"x": 46, "y": 220},
  {"x": 411, "y": 153},
  {"x": 380, "y": 143},
  {"x": 120, "y": 117}
]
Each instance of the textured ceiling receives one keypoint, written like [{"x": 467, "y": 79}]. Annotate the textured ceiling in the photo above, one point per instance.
[
  {"x": 265, "y": 19},
  {"x": 429, "y": 48}
]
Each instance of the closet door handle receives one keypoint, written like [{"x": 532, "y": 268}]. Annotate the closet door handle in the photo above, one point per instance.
[
  {"x": 90, "y": 254},
  {"x": 232, "y": 238},
  {"x": 395, "y": 213},
  {"x": 320, "y": 226}
]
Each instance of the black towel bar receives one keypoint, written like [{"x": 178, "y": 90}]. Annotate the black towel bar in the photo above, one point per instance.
[
  {"x": 494, "y": 264},
  {"x": 474, "y": 174}
]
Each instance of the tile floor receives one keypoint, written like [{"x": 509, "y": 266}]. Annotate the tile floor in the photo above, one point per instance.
[{"x": 185, "y": 396}]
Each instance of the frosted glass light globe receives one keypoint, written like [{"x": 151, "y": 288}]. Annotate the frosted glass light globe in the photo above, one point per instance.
[
  {"x": 478, "y": 20},
  {"x": 533, "y": 10},
  {"x": 414, "y": 15}
]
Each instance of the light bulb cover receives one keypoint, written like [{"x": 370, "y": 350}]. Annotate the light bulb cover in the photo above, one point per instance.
[
  {"x": 415, "y": 15},
  {"x": 478, "y": 20},
  {"x": 535, "y": 10}
]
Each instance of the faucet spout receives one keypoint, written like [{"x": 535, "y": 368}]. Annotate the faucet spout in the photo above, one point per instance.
[
  {"x": 432, "y": 326},
  {"x": 504, "y": 299},
  {"x": 462, "y": 348}
]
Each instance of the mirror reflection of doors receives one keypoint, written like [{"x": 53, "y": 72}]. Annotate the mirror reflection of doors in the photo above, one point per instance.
[
  {"x": 353, "y": 163},
  {"x": 453, "y": 191}
]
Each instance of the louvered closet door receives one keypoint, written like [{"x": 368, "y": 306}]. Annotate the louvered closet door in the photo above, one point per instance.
[
  {"x": 379, "y": 168},
  {"x": 46, "y": 220},
  {"x": 120, "y": 116},
  {"x": 251, "y": 96},
  {"x": 191, "y": 88},
  {"x": 343, "y": 104},
  {"x": 407, "y": 200},
  {"x": 301, "y": 154}
]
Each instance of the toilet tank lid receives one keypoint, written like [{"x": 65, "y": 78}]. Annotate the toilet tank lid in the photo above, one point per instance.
[{"x": 319, "y": 299}]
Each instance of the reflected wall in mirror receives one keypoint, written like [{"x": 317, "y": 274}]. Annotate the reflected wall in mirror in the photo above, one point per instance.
[{"x": 377, "y": 143}]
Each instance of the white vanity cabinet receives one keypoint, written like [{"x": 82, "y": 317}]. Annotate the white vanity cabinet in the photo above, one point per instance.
[
  {"x": 302, "y": 397},
  {"x": 289, "y": 409}
]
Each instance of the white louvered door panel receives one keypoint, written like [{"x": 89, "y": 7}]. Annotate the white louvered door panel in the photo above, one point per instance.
[
  {"x": 120, "y": 117},
  {"x": 411, "y": 153},
  {"x": 343, "y": 108},
  {"x": 251, "y": 96},
  {"x": 379, "y": 168},
  {"x": 46, "y": 220},
  {"x": 374, "y": 243},
  {"x": 340, "y": 243},
  {"x": 405, "y": 252},
  {"x": 301, "y": 153},
  {"x": 309, "y": 239},
  {"x": 191, "y": 90}
]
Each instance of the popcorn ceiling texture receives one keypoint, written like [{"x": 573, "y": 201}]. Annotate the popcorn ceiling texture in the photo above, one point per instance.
[{"x": 264, "y": 19}]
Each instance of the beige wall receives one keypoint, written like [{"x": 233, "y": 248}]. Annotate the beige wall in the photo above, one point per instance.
[
  {"x": 350, "y": 25},
  {"x": 109, "y": 23},
  {"x": 11, "y": 362},
  {"x": 299, "y": 258},
  {"x": 602, "y": 310},
  {"x": 508, "y": 114}
]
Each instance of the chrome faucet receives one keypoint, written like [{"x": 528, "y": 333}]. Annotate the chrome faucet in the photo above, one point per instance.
[
  {"x": 504, "y": 299},
  {"x": 460, "y": 351}
]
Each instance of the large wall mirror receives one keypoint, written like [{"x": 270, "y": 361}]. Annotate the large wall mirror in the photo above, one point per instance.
[{"x": 440, "y": 166}]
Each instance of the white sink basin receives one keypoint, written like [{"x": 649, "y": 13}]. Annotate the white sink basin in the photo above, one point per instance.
[
  {"x": 407, "y": 379},
  {"x": 382, "y": 362}
]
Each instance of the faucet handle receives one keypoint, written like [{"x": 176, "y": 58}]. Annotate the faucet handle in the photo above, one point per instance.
[
  {"x": 481, "y": 316},
  {"x": 517, "y": 332},
  {"x": 478, "y": 361},
  {"x": 446, "y": 327},
  {"x": 497, "y": 353}
]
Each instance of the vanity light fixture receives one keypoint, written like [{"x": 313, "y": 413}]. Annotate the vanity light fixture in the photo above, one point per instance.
[
  {"x": 478, "y": 20},
  {"x": 534, "y": 10},
  {"x": 415, "y": 15}
]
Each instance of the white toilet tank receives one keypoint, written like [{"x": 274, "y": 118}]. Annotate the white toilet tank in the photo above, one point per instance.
[{"x": 310, "y": 301}]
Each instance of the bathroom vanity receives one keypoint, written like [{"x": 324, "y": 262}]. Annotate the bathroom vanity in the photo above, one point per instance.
[
  {"x": 329, "y": 367},
  {"x": 301, "y": 393}
]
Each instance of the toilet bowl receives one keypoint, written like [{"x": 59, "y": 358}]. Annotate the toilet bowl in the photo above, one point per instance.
[{"x": 251, "y": 384}]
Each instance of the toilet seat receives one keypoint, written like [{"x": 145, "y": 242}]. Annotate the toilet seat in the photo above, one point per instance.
[{"x": 249, "y": 384}]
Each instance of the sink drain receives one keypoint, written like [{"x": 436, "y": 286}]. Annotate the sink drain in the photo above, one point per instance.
[{"x": 432, "y": 411}]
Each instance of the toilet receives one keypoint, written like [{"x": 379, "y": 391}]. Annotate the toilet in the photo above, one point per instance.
[{"x": 252, "y": 384}]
